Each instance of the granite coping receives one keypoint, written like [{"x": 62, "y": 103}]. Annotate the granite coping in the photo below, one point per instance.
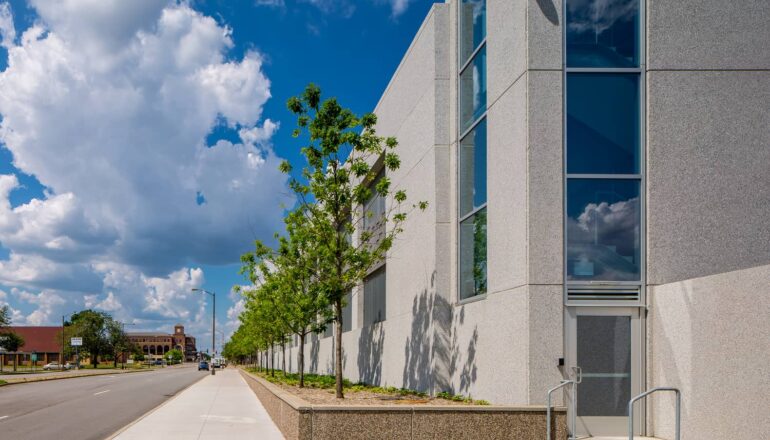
[{"x": 300, "y": 404}]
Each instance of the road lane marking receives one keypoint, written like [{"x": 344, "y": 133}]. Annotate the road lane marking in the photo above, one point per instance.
[
  {"x": 101, "y": 392},
  {"x": 3, "y": 417}
]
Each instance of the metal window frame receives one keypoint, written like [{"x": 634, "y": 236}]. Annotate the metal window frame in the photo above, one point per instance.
[
  {"x": 461, "y": 135},
  {"x": 640, "y": 176}
]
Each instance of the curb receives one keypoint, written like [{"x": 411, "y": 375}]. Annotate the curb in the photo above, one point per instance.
[
  {"x": 47, "y": 378},
  {"x": 152, "y": 410}
]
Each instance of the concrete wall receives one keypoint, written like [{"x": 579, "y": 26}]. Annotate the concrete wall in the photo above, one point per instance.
[
  {"x": 711, "y": 338},
  {"x": 708, "y": 204}
]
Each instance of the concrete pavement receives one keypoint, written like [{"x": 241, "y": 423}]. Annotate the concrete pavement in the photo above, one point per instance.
[
  {"x": 220, "y": 407},
  {"x": 87, "y": 408}
]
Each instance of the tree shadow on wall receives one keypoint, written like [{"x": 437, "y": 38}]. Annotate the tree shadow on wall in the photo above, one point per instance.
[
  {"x": 315, "y": 346},
  {"x": 370, "y": 345},
  {"x": 432, "y": 351},
  {"x": 330, "y": 361}
]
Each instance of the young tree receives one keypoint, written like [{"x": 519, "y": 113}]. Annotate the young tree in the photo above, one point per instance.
[
  {"x": 174, "y": 355},
  {"x": 288, "y": 283},
  {"x": 344, "y": 157},
  {"x": 92, "y": 327},
  {"x": 5, "y": 317},
  {"x": 116, "y": 340},
  {"x": 9, "y": 340}
]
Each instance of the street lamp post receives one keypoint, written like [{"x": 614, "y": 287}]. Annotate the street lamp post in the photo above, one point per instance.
[
  {"x": 61, "y": 354},
  {"x": 213, "y": 323}
]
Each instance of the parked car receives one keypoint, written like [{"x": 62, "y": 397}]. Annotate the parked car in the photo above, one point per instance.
[
  {"x": 158, "y": 362},
  {"x": 53, "y": 366},
  {"x": 203, "y": 365}
]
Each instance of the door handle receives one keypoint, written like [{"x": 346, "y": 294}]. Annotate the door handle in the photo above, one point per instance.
[{"x": 577, "y": 374}]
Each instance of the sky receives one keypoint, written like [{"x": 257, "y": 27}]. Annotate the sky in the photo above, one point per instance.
[{"x": 140, "y": 140}]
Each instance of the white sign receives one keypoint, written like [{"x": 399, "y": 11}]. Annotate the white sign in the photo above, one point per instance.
[
  {"x": 76, "y": 342},
  {"x": 130, "y": 361}
]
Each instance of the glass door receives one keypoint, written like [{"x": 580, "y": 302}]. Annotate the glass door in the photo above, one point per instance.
[{"x": 605, "y": 343}]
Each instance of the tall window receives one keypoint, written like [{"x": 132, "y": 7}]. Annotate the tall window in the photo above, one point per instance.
[
  {"x": 374, "y": 297},
  {"x": 603, "y": 141},
  {"x": 472, "y": 149},
  {"x": 374, "y": 211}
]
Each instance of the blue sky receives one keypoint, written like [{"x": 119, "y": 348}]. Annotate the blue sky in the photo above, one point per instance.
[{"x": 139, "y": 142}]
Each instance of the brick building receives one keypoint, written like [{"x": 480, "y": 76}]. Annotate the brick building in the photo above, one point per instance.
[
  {"x": 154, "y": 345},
  {"x": 45, "y": 342}
]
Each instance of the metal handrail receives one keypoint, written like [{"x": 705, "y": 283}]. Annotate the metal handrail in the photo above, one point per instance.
[
  {"x": 647, "y": 393},
  {"x": 548, "y": 408}
]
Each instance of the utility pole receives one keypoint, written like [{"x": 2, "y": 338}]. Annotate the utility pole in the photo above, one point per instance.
[{"x": 213, "y": 324}]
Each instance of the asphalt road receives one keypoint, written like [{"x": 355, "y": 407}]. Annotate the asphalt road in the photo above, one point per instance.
[{"x": 87, "y": 408}]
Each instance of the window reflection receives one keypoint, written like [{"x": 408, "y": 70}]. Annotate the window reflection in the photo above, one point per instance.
[
  {"x": 603, "y": 230},
  {"x": 603, "y": 33},
  {"x": 473, "y": 26},
  {"x": 473, "y": 90},
  {"x": 473, "y": 169},
  {"x": 603, "y": 123},
  {"x": 473, "y": 255}
]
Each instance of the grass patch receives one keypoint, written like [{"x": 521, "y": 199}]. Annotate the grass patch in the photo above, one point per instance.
[
  {"x": 2, "y": 382},
  {"x": 322, "y": 381}
]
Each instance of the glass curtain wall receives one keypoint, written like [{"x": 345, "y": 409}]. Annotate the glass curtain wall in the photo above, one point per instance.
[
  {"x": 603, "y": 142},
  {"x": 472, "y": 149}
]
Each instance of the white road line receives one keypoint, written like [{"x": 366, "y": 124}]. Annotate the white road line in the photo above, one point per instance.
[
  {"x": 101, "y": 392},
  {"x": 3, "y": 417}
]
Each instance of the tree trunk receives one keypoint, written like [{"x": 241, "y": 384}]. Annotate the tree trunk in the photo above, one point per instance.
[
  {"x": 283, "y": 357},
  {"x": 338, "y": 347},
  {"x": 95, "y": 360},
  {"x": 301, "y": 361},
  {"x": 272, "y": 360}
]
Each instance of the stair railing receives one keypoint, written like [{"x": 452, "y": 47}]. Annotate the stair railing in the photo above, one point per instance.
[
  {"x": 572, "y": 383},
  {"x": 647, "y": 393}
]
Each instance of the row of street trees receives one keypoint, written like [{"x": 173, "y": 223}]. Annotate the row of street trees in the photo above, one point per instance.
[{"x": 334, "y": 235}]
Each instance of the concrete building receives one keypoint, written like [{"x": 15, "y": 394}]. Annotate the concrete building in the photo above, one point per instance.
[
  {"x": 598, "y": 179},
  {"x": 154, "y": 345}
]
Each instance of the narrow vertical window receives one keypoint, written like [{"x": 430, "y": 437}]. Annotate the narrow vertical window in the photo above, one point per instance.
[
  {"x": 603, "y": 141},
  {"x": 374, "y": 297},
  {"x": 472, "y": 149}
]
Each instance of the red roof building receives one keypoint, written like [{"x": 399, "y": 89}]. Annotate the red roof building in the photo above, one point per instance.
[
  {"x": 39, "y": 339},
  {"x": 45, "y": 341}
]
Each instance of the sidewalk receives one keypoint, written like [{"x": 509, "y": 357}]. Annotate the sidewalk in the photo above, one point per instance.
[{"x": 218, "y": 407}]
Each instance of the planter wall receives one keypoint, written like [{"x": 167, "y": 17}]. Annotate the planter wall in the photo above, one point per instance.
[{"x": 300, "y": 420}]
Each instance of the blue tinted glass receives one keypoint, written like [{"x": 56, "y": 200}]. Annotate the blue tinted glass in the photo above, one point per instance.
[
  {"x": 473, "y": 169},
  {"x": 603, "y": 123},
  {"x": 473, "y": 90},
  {"x": 473, "y": 255},
  {"x": 603, "y": 33},
  {"x": 603, "y": 230},
  {"x": 473, "y": 26}
]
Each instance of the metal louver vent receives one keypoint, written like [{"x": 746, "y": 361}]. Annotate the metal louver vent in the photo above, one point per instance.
[{"x": 602, "y": 294}]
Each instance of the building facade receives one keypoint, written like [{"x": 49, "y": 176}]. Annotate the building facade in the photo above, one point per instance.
[
  {"x": 156, "y": 345},
  {"x": 43, "y": 343},
  {"x": 598, "y": 179}
]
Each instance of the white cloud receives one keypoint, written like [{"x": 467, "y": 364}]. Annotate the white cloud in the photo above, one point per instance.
[
  {"x": 397, "y": 7},
  {"x": 119, "y": 139},
  {"x": 109, "y": 104},
  {"x": 46, "y": 301},
  {"x": 7, "y": 30},
  {"x": 271, "y": 3}
]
